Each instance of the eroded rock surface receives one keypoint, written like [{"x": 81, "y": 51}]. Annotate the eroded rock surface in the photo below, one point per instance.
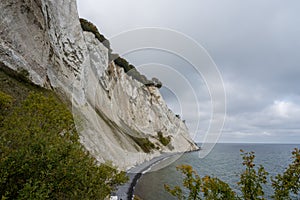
[{"x": 119, "y": 119}]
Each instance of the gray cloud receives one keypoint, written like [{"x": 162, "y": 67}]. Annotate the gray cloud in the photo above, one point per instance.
[{"x": 255, "y": 45}]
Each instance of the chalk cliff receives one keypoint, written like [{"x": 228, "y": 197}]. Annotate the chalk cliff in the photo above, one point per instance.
[{"x": 119, "y": 118}]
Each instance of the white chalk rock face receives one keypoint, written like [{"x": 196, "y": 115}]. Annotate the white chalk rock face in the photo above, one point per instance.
[{"x": 119, "y": 119}]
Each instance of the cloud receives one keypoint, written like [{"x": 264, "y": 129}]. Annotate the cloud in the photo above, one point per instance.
[
  {"x": 277, "y": 122},
  {"x": 255, "y": 45}
]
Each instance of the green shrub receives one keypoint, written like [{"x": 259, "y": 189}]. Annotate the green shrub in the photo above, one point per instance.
[
  {"x": 191, "y": 182},
  {"x": 214, "y": 188},
  {"x": 135, "y": 74},
  {"x": 289, "y": 181},
  {"x": 23, "y": 75},
  {"x": 210, "y": 188},
  {"x": 20, "y": 74},
  {"x": 12, "y": 84},
  {"x": 164, "y": 140},
  {"x": 90, "y": 27},
  {"x": 250, "y": 183},
  {"x": 251, "y": 179},
  {"x": 121, "y": 62},
  {"x": 146, "y": 145},
  {"x": 5, "y": 103},
  {"x": 41, "y": 157}
]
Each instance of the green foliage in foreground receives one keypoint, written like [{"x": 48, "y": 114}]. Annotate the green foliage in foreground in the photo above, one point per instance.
[
  {"x": 5, "y": 103},
  {"x": 210, "y": 188},
  {"x": 41, "y": 158},
  {"x": 251, "y": 179},
  {"x": 250, "y": 183},
  {"x": 289, "y": 181}
]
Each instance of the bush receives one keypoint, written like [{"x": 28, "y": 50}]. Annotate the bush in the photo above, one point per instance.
[
  {"x": 135, "y": 74},
  {"x": 250, "y": 183},
  {"x": 289, "y": 181},
  {"x": 214, "y": 188},
  {"x": 146, "y": 145},
  {"x": 121, "y": 62},
  {"x": 210, "y": 188},
  {"x": 5, "y": 103},
  {"x": 139, "y": 77},
  {"x": 164, "y": 140},
  {"x": 251, "y": 179},
  {"x": 41, "y": 157}
]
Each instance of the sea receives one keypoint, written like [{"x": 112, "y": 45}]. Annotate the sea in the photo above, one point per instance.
[{"x": 224, "y": 162}]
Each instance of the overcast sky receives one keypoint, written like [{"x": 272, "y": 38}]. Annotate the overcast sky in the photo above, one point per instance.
[{"x": 254, "y": 43}]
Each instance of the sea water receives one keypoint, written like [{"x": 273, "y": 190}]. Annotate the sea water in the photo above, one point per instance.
[{"x": 224, "y": 162}]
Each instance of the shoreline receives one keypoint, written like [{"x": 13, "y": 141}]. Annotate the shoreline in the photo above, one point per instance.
[
  {"x": 126, "y": 191},
  {"x": 148, "y": 168}
]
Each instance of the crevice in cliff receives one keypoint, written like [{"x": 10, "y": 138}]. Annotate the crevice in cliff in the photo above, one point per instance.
[
  {"x": 20, "y": 75},
  {"x": 116, "y": 129}
]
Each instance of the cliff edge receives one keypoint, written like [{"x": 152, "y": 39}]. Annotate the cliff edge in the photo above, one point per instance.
[{"x": 119, "y": 119}]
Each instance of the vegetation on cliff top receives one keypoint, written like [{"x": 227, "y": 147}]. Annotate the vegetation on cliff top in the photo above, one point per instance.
[
  {"x": 40, "y": 155},
  {"x": 90, "y": 27},
  {"x": 119, "y": 61}
]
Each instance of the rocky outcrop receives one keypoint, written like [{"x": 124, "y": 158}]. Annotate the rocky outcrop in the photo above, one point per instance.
[{"x": 119, "y": 119}]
